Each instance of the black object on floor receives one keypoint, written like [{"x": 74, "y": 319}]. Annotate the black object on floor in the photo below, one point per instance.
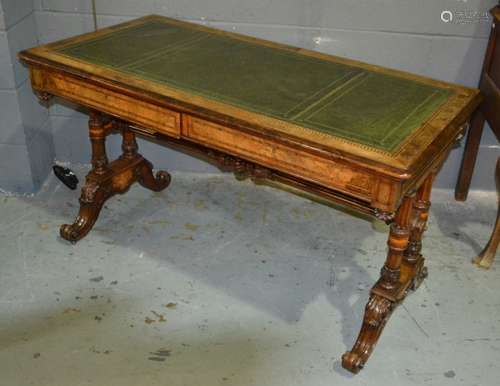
[{"x": 66, "y": 176}]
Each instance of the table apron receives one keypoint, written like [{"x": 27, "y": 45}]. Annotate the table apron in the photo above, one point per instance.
[
  {"x": 379, "y": 192},
  {"x": 117, "y": 104}
]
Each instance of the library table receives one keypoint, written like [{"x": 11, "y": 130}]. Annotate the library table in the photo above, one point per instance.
[{"x": 363, "y": 136}]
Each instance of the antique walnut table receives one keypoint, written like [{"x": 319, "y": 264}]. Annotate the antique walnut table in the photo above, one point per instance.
[{"x": 362, "y": 136}]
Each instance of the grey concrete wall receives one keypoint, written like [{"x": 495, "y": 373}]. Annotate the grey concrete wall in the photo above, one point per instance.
[
  {"x": 402, "y": 34},
  {"x": 26, "y": 147}
]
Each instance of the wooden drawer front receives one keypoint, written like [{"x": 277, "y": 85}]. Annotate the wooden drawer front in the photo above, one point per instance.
[
  {"x": 268, "y": 153},
  {"x": 132, "y": 110}
]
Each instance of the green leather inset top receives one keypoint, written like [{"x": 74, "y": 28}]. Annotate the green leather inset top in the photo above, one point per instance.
[{"x": 348, "y": 102}]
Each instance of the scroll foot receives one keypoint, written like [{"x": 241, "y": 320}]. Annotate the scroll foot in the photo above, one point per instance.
[
  {"x": 377, "y": 312},
  {"x": 91, "y": 201},
  {"x": 147, "y": 179}
]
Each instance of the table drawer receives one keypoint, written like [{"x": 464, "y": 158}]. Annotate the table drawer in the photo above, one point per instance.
[
  {"x": 123, "y": 106},
  {"x": 266, "y": 152}
]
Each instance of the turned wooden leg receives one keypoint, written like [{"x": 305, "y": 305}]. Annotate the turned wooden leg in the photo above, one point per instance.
[
  {"x": 470, "y": 155},
  {"x": 387, "y": 292},
  {"x": 486, "y": 257},
  {"x": 413, "y": 268},
  {"x": 107, "y": 179}
]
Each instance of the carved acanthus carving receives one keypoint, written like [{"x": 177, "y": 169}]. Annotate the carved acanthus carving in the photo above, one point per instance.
[
  {"x": 89, "y": 191},
  {"x": 241, "y": 168},
  {"x": 377, "y": 312},
  {"x": 390, "y": 275},
  {"x": 420, "y": 275},
  {"x": 387, "y": 217},
  {"x": 44, "y": 96}
]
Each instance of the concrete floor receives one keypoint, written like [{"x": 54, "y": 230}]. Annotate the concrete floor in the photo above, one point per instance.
[{"x": 219, "y": 282}]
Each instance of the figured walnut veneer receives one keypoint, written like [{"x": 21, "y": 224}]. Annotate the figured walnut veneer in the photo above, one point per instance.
[{"x": 363, "y": 136}]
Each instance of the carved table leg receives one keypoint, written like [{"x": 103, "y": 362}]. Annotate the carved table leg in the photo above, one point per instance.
[
  {"x": 413, "y": 268},
  {"x": 107, "y": 179},
  {"x": 486, "y": 257},
  {"x": 387, "y": 292}
]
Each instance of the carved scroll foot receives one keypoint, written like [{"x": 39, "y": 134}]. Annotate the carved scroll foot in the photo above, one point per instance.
[
  {"x": 147, "y": 179},
  {"x": 414, "y": 262},
  {"x": 377, "y": 312},
  {"x": 91, "y": 201}
]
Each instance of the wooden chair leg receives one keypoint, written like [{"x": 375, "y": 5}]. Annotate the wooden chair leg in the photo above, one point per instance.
[
  {"x": 486, "y": 257},
  {"x": 386, "y": 294},
  {"x": 470, "y": 155},
  {"x": 107, "y": 179}
]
